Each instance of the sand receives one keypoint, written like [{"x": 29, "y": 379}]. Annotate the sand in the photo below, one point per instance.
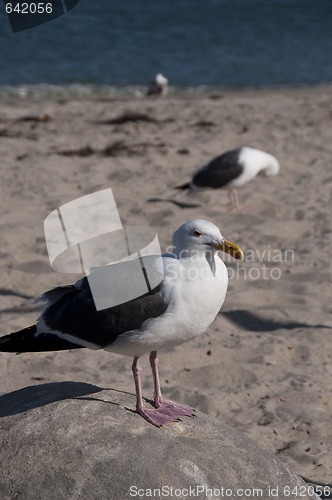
[{"x": 263, "y": 366}]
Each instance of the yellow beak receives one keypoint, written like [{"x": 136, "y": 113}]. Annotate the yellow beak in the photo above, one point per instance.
[{"x": 231, "y": 248}]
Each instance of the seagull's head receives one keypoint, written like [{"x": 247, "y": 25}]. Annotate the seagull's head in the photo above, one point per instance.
[
  {"x": 199, "y": 237},
  {"x": 160, "y": 80},
  {"x": 271, "y": 167}
]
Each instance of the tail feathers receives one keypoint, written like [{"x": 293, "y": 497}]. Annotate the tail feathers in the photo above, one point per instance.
[
  {"x": 183, "y": 186},
  {"x": 27, "y": 340}
]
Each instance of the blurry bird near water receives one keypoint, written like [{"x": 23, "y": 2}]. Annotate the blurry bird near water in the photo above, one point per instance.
[{"x": 159, "y": 86}]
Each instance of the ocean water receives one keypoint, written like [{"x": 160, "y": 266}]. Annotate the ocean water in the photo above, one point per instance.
[{"x": 110, "y": 44}]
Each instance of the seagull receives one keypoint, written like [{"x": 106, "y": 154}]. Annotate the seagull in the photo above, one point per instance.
[
  {"x": 159, "y": 86},
  {"x": 233, "y": 169},
  {"x": 179, "y": 309}
]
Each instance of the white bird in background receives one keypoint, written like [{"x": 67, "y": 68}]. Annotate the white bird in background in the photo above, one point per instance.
[
  {"x": 159, "y": 86},
  {"x": 182, "y": 307},
  {"x": 233, "y": 169}
]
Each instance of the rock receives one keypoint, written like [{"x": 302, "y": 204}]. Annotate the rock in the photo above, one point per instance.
[{"x": 77, "y": 441}]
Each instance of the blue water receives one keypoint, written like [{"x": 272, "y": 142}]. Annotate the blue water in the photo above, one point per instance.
[{"x": 222, "y": 43}]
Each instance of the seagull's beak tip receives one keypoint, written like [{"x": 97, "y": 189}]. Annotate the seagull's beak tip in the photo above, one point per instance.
[
  {"x": 232, "y": 249},
  {"x": 239, "y": 255}
]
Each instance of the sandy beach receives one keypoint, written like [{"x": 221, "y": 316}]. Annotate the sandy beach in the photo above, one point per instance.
[{"x": 264, "y": 365}]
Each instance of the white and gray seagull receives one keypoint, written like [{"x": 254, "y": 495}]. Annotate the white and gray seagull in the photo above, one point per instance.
[
  {"x": 233, "y": 169},
  {"x": 159, "y": 86},
  {"x": 182, "y": 307}
]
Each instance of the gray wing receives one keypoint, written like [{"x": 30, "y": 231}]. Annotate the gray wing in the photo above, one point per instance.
[
  {"x": 220, "y": 171},
  {"x": 72, "y": 310}
]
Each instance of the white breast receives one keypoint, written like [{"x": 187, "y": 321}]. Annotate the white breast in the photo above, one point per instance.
[
  {"x": 253, "y": 162},
  {"x": 195, "y": 296}
]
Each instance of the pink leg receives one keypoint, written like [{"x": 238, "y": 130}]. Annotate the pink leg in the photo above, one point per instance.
[
  {"x": 154, "y": 361},
  {"x": 163, "y": 405},
  {"x": 154, "y": 416},
  {"x": 234, "y": 200}
]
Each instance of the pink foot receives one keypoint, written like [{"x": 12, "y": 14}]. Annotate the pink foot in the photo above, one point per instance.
[
  {"x": 156, "y": 417},
  {"x": 170, "y": 408},
  {"x": 245, "y": 208},
  {"x": 242, "y": 208}
]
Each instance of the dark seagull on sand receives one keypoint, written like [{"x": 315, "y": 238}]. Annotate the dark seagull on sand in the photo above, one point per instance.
[
  {"x": 232, "y": 170},
  {"x": 182, "y": 307}
]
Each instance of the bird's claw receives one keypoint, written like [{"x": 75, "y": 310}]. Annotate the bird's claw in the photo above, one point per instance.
[
  {"x": 169, "y": 407},
  {"x": 157, "y": 417}
]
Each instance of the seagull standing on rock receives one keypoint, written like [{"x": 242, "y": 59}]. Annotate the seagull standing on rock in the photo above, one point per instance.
[
  {"x": 232, "y": 170},
  {"x": 182, "y": 307}
]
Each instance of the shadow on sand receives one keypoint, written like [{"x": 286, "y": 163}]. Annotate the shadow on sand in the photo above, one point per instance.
[{"x": 255, "y": 323}]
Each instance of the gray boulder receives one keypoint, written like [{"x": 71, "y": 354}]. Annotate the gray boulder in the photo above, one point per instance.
[{"x": 76, "y": 441}]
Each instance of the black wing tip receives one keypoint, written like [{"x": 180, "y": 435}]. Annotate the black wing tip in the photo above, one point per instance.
[
  {"x": 5, "y": 344},
  {"x": 26, "y": 341},
  {"x": 183, "y": 186},
  {"x": 13, "y": 342}
]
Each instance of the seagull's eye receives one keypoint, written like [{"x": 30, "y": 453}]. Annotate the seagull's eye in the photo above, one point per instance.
[{"x": 197, "y": 233}]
